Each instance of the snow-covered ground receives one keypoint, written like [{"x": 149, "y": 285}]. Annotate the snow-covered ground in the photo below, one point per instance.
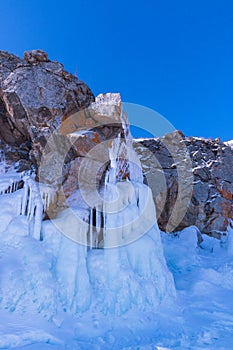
[
  {"x": 200, "y": 317},
  {"x": 56, "y": 295}
]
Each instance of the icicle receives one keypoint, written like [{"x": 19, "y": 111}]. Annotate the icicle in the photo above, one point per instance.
[
  {"x": 98, "y": 221},
  {"x": 2, "y": 162},
  {"x": 38, "y": 221},
  {"x": 84, "y": 230},
  {"x": 25, "y": 198},
  {"x": 47, "y": 195},
  {"x": 9, "y": 182},
  {"x": 19, "y": 208},
  {"x": 91, "y": 228},
  {"x": 32, "y": 206}
]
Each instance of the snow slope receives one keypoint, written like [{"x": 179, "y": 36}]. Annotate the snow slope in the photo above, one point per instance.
[
  {"x": 34, "y": 314},
  {"x": 201, "y": 317},
  {"x": 54, "y": 294}
]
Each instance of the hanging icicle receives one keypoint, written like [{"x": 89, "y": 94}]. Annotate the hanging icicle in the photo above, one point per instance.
[
  {"x": 91, "y": 228},
  {"x": 47, "y": 195},
  {"x": 32, "y": 206},
  {"x": 9, "y": 182},
  {"x": 2, "y": 162}
]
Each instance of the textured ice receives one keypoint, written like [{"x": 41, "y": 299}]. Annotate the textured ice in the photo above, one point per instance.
[
  {"x": 58, "y": 292},
  {"x": 115, "y": 308},
  {"x": 9, "y": 182},
  {"x": 30, "y": 201},
  {"x": 57, "y": 276},
  {"x": 112, "y": 280}
]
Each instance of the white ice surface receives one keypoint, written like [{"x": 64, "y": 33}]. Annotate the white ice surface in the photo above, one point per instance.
[
  {"x": 38, "y": 309},
  {"x": 56, "y": 294}
]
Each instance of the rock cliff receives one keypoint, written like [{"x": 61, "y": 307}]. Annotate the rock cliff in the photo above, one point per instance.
[
  {"x": 43, "y": 108},
  {"x": 203, "y": 176}
]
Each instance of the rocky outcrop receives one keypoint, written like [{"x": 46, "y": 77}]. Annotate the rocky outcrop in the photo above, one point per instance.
[
  {"x": 35, "y": 94},
  {"x": 195, "y": 172},
  {"x": 50, "y": 122},
  {"x": 82, "y": 149}
]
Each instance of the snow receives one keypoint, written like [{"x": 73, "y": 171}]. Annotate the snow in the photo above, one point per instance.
[
  {"x": 38, "y": 309},
  {"x": 144, "y": 290},
  {"x": 229, "y": 143}
]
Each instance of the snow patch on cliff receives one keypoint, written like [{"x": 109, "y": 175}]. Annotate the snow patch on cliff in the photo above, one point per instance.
[{"x": 229, "y": 143}]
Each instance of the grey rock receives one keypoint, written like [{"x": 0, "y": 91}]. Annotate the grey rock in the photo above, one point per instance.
[
  {"x": 205, "y": 197},
  {"x": 35, "y": 94}
]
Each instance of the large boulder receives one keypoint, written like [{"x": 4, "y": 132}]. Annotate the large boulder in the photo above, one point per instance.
[{"x": 35, "y": 94}]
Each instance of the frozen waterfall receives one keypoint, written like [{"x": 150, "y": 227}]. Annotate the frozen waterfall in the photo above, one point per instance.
[{"x": 129, "y": 271}]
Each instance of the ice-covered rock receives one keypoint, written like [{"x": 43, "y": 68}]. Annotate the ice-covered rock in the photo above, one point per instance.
[{"x": 129, "y": 271}]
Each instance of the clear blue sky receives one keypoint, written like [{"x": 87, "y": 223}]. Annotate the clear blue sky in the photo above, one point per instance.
[{"x": 174, "y": 56}]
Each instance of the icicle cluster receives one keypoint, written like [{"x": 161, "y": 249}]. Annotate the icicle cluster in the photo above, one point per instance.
[
  {"x": 131, "y": 274},
  {"x": 47, "y": 194},
  {"x": 35, "y": 198},
  {"x": 32, "y": 206},
  {"x": 9, "y": 182},
  {"x": 126, "y": 211}
]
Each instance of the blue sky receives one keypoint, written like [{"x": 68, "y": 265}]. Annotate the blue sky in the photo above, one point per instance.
[{"x": 174, "y": 56}]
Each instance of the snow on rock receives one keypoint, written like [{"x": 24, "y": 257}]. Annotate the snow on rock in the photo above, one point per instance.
[
  {"x": 229, "y": 143},
  {"x": 205, "y": 177}
]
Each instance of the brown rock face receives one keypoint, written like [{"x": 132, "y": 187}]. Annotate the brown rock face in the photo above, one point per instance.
[
  {"x": 35, "y": 94},
  {"x": 81, "y": 147},
  {"x": 200, "y": 170}
]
